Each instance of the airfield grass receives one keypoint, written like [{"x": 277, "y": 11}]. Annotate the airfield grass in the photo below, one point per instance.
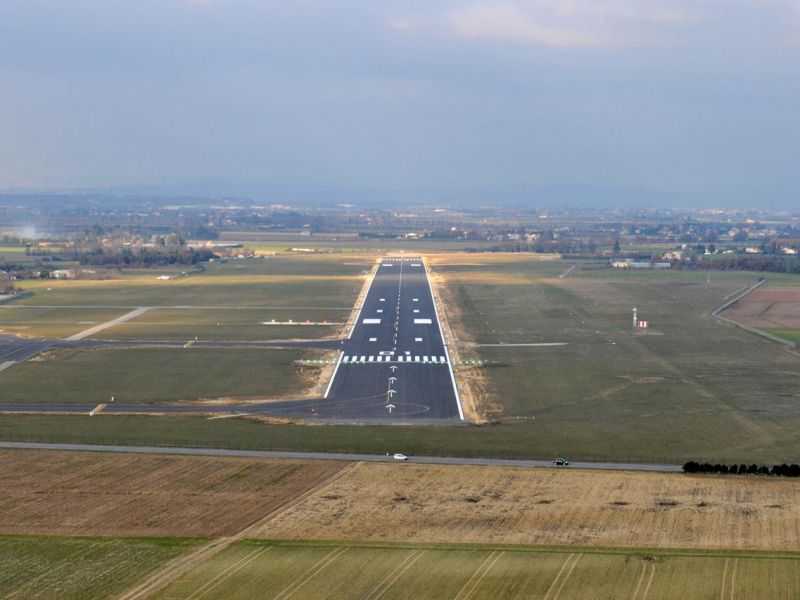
[
  {"x": 85, "y": 567},
  {"x": 52, "y": 322},
  {"x": 229, "y": 324},
  {"x": 688, "y": 385},
  {"x": 505, "y": 440},
  {"x": 281, "y": 281},
  {"x": 143, "y": 375},
  {"x": 316, "y": 570}
]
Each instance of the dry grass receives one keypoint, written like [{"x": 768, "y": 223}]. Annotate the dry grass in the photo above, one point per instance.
[
  {"x": 547, "y": 506},
  {"x": 73, "y": 493},
  {"x": 772, "y": 307}
]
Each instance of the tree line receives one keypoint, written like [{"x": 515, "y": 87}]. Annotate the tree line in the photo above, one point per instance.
[{"x": 783, "y": 470}]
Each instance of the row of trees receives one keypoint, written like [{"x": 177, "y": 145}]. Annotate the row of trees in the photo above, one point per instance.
[
  {"x": 783, "y": 470},
  {"x": 144, "y": 257},
  {"x": 772, "y": 264}
]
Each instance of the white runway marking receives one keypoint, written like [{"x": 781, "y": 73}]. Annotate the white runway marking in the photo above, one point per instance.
[
  {"x": 371, "y": 321},
  {"x": 422, "y": 322},
  {"x": 417, "y": 339},
  {"x": 373, "y": 339}
]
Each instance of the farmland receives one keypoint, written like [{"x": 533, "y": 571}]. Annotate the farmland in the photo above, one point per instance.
[
  {"x": 74, "y": 568},
  {"x": 776, "y": 310},
  {"x": 310, "y": 570},
  {"x": 143, "y": 375},
  {"x": 443, "y": 504},
  {"x": 145, "y": 495},
  {"x": 326, "y": 529}
]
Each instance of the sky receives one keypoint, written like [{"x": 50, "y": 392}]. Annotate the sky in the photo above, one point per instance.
[{"x": 579, "y": 102}]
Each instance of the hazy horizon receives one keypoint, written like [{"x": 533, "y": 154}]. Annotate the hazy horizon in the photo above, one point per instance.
[{"x": 606, "y": 103}]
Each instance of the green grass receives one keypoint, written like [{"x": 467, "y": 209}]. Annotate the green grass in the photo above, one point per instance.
[
  {"x": 91, "y": 567},
  {"x": 317, "y": 570},
  {"x": 507, "y": 440},
  {"x": 793, "y": 335},
  {"x": 156, "y": 375},
  {"x": 49, "y": 322},
  {"x": 688, "y": 386},
  {"x": 228, "y": 324},
  {"x": 283, "y": 281}
]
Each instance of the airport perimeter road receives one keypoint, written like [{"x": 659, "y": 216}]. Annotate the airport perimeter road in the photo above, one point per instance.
[
  {"x": 431, "y": 460},
  {"x": 394, "y": 364}
]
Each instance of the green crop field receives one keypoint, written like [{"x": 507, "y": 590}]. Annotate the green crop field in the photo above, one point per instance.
[
  {"x": 307, "y": 570},
  {"x": 158, "y": 375},
  {"x": 66, "y": 568}
]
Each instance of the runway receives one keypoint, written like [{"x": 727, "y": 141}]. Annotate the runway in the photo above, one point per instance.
[{"x": 393, "y": 366}]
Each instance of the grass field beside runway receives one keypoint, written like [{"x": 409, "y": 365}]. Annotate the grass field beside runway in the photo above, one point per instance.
[
  {"x": 48, "y": 322},
  {"x": 308, "y": 570},
  {"x": 229, "y": 324},
  {"x": 140, "y": 375},
  {"x": 515, "y": 439},
  {"x": 286, "y": 281},
  {"x": 687, "y": 385},
  {"x": 75, "y": 568}
]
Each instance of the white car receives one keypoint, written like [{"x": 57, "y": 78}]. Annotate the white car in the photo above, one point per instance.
[{"x": 398, "y": 456}]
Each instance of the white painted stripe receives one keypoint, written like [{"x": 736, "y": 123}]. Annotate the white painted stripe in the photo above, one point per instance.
[
  {"x": 382, "y": 300},
  {"x": 424, "y": 359},
  {"x": 371, "y": 359},
  {"x": 373, "y": 339},
  {"x": 434, "y": 359},
  {"x": 380, "y": 310},
  {"x": 399, "y": 359},
  {"x": 443, "y": 359},
  {"x": 446, "y": 353},
  {"x": 416, "y": 310},
  {"x": 371, "y": 321},
  {"x": 422, "y": 322},
  {"x": 363, "y": 359},
  {"x": 335, "y": 369},
  {"x": 8, "y": 363},
  {"x": 416, "y": 299},
  {"x": 416, "y": 359},
  {"x": 417, "y": 339}
]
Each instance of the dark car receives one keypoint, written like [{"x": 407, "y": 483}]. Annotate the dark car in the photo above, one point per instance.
[{"x": 560, "y": 462}]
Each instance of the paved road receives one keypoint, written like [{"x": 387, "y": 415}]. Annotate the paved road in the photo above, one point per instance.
[
  {"x": 394, "y": 364},
  {"x": 433, "y": 460}
]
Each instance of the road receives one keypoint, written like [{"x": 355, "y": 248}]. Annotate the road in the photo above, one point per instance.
[{"x": 431, "y": 460}]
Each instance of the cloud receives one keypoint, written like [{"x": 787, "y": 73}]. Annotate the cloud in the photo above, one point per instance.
[
  {"x": 560, "y": 23},
  {"x": 509, "y": 22}
]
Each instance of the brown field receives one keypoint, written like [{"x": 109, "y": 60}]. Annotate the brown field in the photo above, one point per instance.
[
  {"x": 426, "y": 503},
  {"x": 75, "y": 493},
  {"x": 771, "y": 308}
]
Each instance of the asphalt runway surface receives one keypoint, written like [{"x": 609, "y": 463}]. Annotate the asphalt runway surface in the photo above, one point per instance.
[
  {"x": 394, "y": 364},
  {"x": 393, "y": 367},
  {"x": 439, "y": 460}
]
